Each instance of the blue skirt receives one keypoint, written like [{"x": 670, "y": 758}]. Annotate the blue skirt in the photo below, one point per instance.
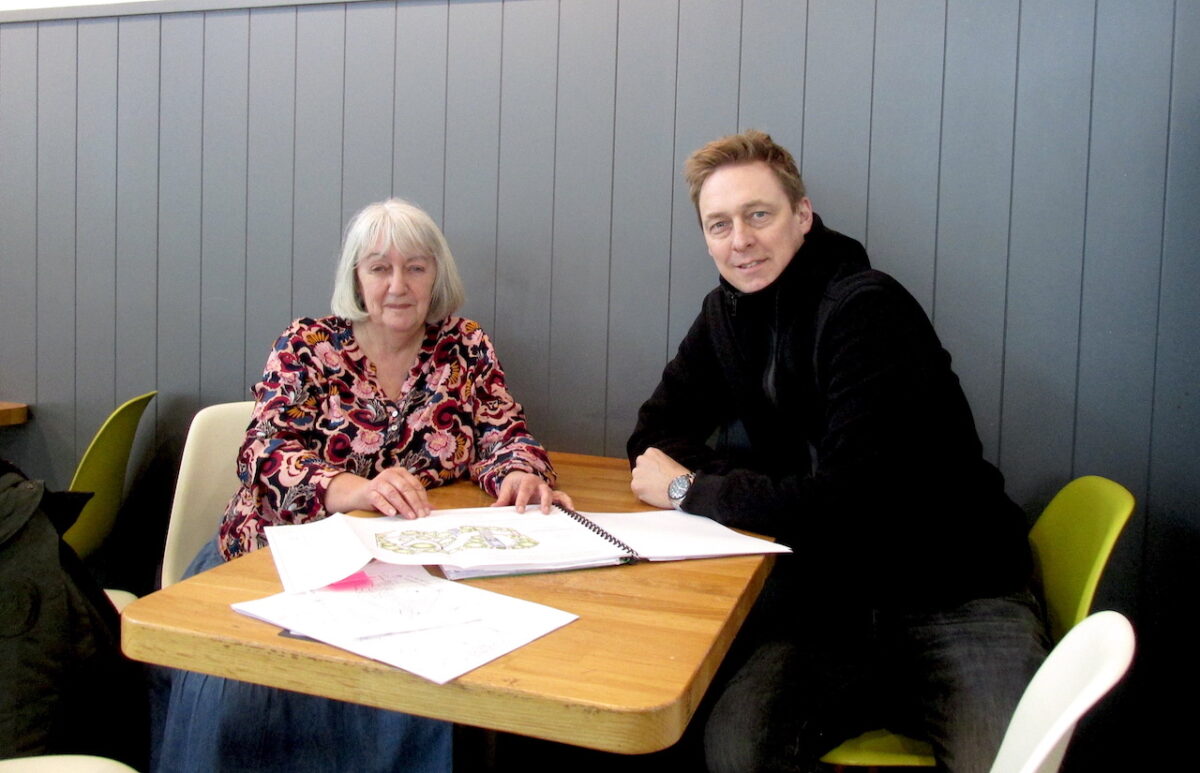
[{"x": 214, "y": 724}]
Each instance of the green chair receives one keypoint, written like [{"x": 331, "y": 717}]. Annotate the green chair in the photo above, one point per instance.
[
  {"x": 1072, "y": 541},
  {"x": 102, "y": 472}
]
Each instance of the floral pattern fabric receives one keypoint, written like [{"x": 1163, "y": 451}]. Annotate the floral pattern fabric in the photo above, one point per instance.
[{"x": 320, "y": 412}]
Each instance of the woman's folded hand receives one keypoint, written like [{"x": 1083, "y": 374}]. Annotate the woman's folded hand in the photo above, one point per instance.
[
  {"x": 522, "y": 488},
  {"x": 395, "y": 491}
]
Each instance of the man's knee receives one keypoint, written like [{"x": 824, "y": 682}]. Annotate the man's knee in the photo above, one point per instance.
[{"x": 976, "y": 668}]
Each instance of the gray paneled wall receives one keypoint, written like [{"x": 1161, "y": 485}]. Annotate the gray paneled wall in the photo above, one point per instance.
[{"x": 173, "y": 188}]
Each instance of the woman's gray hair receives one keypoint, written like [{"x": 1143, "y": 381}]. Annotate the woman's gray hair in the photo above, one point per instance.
[{"x": 406, "y": 227}]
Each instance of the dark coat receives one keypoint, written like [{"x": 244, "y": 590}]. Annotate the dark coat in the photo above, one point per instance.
[
  {"x": 823, "y": 411},
  {"x": 64, "y": 686}
]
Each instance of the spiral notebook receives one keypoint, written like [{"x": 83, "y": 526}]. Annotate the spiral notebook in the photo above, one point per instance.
[
  {"x": 485, "y": 541},
  {"x": 654, "y": 535}
]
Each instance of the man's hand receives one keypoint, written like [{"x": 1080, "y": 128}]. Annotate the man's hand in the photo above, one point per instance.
[
  {"x": 523, "y": 488},
  {"x": 653, "y": 472}
]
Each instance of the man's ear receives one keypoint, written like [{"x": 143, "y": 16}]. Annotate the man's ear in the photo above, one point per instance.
[{"x": 805, "y": 211}]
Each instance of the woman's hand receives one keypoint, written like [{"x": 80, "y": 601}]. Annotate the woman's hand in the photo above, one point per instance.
[
  {"x": 653, "y": 472},
  {"x": 520, "y": 488},
  {"x": 395, "y": 491}
]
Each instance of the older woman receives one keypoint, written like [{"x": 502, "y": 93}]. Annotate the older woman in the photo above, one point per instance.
[
  {"x": 361, "y": 410},
  {"x": 368, "y": 408}
]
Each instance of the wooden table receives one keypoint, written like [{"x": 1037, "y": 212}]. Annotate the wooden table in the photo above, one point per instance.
[
  {"x": 13, "y": 413},
  {"x": 625, "y": 677}
]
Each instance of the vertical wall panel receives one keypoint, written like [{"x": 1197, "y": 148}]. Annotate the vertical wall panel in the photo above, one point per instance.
[
  {"x": 179, "y": 332},
  {"x": 1124, "y": 242},
  {"x": 1173, "y": 501},
  {"x": 644, "y": 177},
  {"x": 472, "y": 150},
  {"x": 317, "y": 202},
  {"x": 1119, "y": 310},
  {"x": 18, "y": 229},
  {"x": 525, "y": 217},
  {"x": 223, "y": 230},
  {"x": 271, "y": 142},
  {"x": 905, "y": 133},
  {"x": 369, "y": 107},
  {"x": 706, "y": 98},
  {"x": 973, "y": 212},
  {"x": 95, "y": 227},
  {"x": 771, "y": 91},
  {"x": 138, "y": 39},
  {"x": 55, "y": 375},
  {"x": 837, "y": 119},
  {"x": 419, "y": 142},
  {"x": 582, "y": 224},
  {"x": 1174, "y": 484},
  {"x": 139, "y": 42},
  {"x": 1049, "y": 168},
  {"x": 1123, "y": 264}
]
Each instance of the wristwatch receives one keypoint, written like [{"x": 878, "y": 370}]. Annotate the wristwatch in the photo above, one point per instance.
[{"x": 679, "y": 488}]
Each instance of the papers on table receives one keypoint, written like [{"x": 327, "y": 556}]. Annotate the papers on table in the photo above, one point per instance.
[
  {"x": 435, "y": 628},
  {"x": 407, "y": 618},
  {"x": 653, "y": 535},
  {"x": 668, "y": 535},
  {"x": 484, "y": 541}
]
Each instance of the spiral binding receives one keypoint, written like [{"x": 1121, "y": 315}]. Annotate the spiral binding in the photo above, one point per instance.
[{"x": 588, "y": 523}]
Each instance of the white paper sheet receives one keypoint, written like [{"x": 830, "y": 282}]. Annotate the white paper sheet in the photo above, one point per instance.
[
  {"x": 667, "y": 535},
  {"x": 486, "y": 536},
  {"x": 483, "y": 541},
  {"x": 312, "y": 555},
  {"x": 407, "y": 618}
]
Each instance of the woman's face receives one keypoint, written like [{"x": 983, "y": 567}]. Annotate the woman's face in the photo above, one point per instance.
[{"x": 396, "y": 289}]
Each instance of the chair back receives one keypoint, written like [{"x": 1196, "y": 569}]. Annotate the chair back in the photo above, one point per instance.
[
  {"x": 1072, "y": 541},
  {"x": 207, "y": 480},
  {"x": 1080, "y": 670},
  {"x": 102, "y": 472}
]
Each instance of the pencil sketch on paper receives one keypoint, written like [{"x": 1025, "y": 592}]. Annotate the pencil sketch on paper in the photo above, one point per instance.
[{"x": 453, "y": 540}]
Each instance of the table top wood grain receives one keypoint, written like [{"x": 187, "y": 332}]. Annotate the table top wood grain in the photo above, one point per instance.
[{"x": 625, "y": 677}]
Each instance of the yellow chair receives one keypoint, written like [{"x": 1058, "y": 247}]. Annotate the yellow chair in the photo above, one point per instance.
[
  {"x": 1072, "y": 541},
  {"x": 102, "y": 472}
]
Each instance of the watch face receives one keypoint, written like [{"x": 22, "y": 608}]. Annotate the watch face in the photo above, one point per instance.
[{"x": 678, "y": 488}]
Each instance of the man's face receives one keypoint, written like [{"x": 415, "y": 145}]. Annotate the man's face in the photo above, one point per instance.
[{"x": 751, "y": 229}]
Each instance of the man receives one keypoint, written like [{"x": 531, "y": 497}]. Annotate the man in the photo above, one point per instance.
[{"x": 812, "y": 401}]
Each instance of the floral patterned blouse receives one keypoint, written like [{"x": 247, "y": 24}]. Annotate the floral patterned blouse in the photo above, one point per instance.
[{"x": 320, "y": 412}]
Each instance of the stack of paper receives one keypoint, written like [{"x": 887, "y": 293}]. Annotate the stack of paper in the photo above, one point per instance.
[
  {"x": 438, "y": 629},
  {"x": 407, "y": 618}
]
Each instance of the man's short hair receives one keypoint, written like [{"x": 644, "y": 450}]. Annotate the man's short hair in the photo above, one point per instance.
[
  {"x": 412, "y": 232},
  {"x": 745, "y": 148}
]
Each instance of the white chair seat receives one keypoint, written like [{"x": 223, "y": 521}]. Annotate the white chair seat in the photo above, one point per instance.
[{"x": 63, "y": 763}]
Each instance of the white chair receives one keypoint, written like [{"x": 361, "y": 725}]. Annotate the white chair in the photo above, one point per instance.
[
  {"x": 207, "y": 480},
  {"x": 63, "y": 763},
  {"x": 1079, "y": 671}
]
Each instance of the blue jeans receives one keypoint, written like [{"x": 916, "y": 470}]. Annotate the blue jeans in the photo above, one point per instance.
[
  {"x": 951, "y": 676},
  {"x": 214, "y": 724}
]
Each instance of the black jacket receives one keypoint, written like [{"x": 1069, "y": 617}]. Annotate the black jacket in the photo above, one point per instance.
[
  {"x": 840, "y": 429},
  {"x": 65, "y": 688}
]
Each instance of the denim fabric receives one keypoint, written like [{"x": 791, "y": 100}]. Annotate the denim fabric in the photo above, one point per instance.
[
  {"x": 215, "y": 724},
  {"x": 952, "y": 677}
]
